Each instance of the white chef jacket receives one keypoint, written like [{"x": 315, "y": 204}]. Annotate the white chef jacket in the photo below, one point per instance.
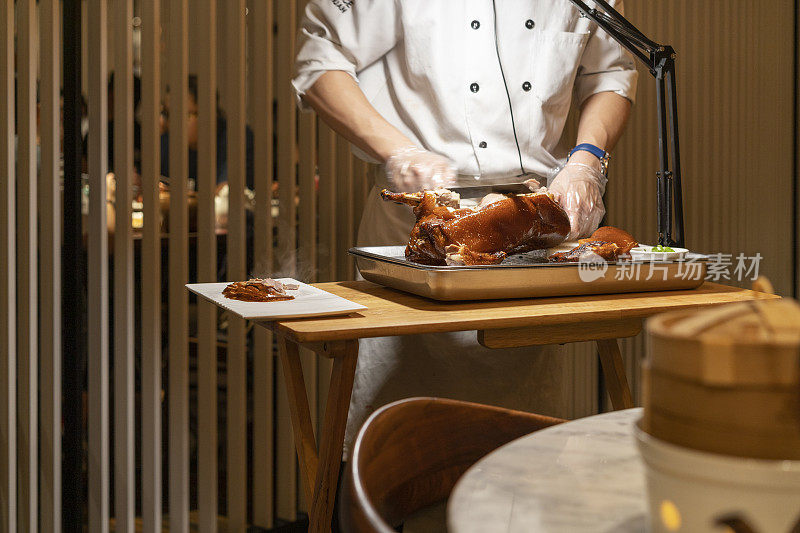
[
  {"x": 431, "y": 68},
  {"x": 439, "y": 72}
]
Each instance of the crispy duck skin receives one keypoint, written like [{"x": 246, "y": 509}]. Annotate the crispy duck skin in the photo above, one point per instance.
[
  {"x": 620, "y": 237},
  {"x": 444, "y": 234},
  {"x": 607, "y": 242}
]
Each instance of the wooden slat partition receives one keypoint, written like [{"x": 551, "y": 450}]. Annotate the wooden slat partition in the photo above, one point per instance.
[
  {"x": 151, "y": 269},
  {"x": 74, "y": 280},
  {"x": 98, "y": 269},
  {"x": 207, "y": 445},
  {"x": 360, "y": 191},
  {"x": 307, "y": 238},
  {"x": 260, "y": 51},
  {"x": 287, "y": 134},
  {"x": 124, "y": 400},
  {"x": 237, "y": 348},
  {"x": 8, "y": 277},
  {"x": 307, "y": 193},
  {"x": 50, "y": 268},
  {"x": 286, "y": 466},
  {"x": 27, "y": 285},
  {"x": 345, "y": 217},
  {"x": 178, "y": 269},
  {"x": 327, "y": 247}
]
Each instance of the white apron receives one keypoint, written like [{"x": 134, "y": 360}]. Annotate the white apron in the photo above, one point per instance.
[{"x": 445, "y": 365}]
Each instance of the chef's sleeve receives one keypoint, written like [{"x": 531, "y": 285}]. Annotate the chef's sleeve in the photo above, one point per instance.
[
  {"x": 346, "y": 35},
  {"x": 606, "y": 66}
]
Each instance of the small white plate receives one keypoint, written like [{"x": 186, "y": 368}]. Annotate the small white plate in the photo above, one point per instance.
[
  {"x": 308, "y": 302},
  {"x": 645, "y": 253}
]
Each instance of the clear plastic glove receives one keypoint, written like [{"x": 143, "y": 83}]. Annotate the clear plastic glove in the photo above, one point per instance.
[
  {"x": 412, "y": 169},
  {"x": 579, "y": 189}
]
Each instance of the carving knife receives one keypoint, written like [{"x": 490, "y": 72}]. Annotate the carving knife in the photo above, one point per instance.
[{"x": 478, "y": 191}]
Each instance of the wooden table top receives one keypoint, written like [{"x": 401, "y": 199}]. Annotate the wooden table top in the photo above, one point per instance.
[{"x": 392, "y": 312}]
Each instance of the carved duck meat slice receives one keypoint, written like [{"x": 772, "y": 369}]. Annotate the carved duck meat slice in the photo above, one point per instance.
[
  {"x": 607, "y": 242},
  {"x": 447, "y": 234},
  {"x": 259, "y": 290}
]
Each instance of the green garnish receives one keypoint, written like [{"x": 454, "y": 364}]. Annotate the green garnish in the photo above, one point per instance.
[{"x": 660, "y": 248}]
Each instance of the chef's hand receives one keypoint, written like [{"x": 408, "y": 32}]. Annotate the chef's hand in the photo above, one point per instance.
[
  {"x": 579, "y": 189},
  {"x": 411, "y": 169}
]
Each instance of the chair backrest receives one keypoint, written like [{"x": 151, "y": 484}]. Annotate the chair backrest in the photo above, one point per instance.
[{"x": 409, "y": 454}]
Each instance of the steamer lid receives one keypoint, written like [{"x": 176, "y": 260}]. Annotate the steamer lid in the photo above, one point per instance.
[
  {"x": 759, "y": 321},
  {"x": 744, "y": 344}
]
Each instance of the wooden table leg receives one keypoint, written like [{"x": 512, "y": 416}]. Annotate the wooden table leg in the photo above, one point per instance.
[
  {"x": 614, "y": 372},
  {"x": 301, "y": 418},
  {"x": 332, "y": 436}
]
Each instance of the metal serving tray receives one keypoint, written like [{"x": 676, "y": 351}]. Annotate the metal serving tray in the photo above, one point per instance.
[{"x": 524, "y": 276}]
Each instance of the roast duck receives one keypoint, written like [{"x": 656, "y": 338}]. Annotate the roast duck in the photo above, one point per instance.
[{"x": 499, "y": 226}]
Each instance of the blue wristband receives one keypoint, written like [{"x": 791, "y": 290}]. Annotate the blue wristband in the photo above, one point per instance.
[
  {"x": 592, "y": 149},
  {"x": 596, "y": 151}
]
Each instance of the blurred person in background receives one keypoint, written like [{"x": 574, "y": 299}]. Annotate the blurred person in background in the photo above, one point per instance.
[{"x": 193, "y": 136}]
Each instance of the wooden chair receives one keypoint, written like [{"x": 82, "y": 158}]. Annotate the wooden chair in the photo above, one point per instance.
[{"x": 409, "y": 454}]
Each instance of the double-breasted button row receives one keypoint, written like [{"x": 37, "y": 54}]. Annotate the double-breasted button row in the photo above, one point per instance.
[
  {"x": 474, "y": 87},
  {"x": 475, "y": 24}
]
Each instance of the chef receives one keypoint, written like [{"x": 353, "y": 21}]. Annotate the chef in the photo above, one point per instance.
[{"x": 464, "y": 92}]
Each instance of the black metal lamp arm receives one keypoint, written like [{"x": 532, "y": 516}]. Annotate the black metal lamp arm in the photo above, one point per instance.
[{"x": 660, "y": 61}]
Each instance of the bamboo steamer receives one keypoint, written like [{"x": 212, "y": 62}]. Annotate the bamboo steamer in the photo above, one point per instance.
[{"x": 726, "y": 380}]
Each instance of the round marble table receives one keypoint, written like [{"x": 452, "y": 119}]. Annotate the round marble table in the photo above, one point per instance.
[{"x": 583, "y": 475}]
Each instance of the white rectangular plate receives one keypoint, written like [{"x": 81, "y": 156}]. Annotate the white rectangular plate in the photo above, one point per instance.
[{"x": 308, "y": 301}]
